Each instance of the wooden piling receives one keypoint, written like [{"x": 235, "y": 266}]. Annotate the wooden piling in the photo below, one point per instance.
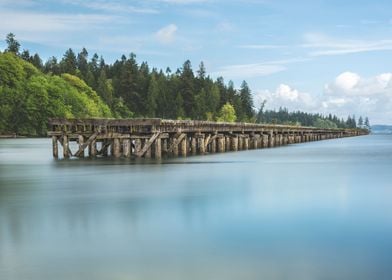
[
  {"x": 65, "y": 147},
  {"x": 55, "y": 147},
  {"x": 157, "y": 148},
  {"x": 183, "y": 147},
  {"x": 92, "y": 149},
  {"x": 127, "y": 148},
  {"x": 116, "y": 148}
]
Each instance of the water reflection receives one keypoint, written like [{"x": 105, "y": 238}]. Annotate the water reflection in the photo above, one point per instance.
[{"x": 312, "y": 211}]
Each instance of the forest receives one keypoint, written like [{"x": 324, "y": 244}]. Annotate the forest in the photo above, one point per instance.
[{"x": 80, "y": 85}]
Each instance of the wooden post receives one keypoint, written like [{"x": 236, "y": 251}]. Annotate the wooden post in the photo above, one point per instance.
[
  {"x": 65, "y": 146},
  {"x": 234, "y": 143},
  {"x": 92, "y": 149},
  {"x": 138, "y": 146},
  {"x": 127, "y": 148},
  {"x": 213, "y": 146},
  {"x": 246, "y": 143},
  {"x": 116, "y": 148},
  {"x": 200, "y": 144},
  {"x": 148, "y": 152},
  {"x": 55, "y": 147},
  {"x": 240, "y": 142},
  {"x": 221, "y": 144},
  {"x": 174, "y": 144},
  {"x": 194, "y": 145},
  {"x": 81, "y": 142},
  {"x": 183, "y": 147},
  {"x": 271, "y": 139},
  {"x": 157, "y": 148},
  {"x": 164, "y": 147},
  {"x": 228, "y": 143}
]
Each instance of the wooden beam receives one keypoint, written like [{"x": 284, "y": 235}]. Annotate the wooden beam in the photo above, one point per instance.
[
  {"x": 209, "y": 140},
  {"x": 68, "y": 152},
  {"x": 82, "y": 147},
  {"x": 176, "y": 141},
  {"x": 148, "y": 144}
]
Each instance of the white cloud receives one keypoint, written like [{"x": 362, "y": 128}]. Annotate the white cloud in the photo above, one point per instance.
[
  {"x": 166, "y": 35},
  {"x": 323, "y": 45},
  {"x": 32, "y": 21},
  {"x": 115, "y": 7},
  {"x": 252, "y": 70},
  {"x": 243, "y": 71},
  {"x": 347, "y": 80},
  {"x": 348, "y": 93},
  {"x": 286, "y": 96}
]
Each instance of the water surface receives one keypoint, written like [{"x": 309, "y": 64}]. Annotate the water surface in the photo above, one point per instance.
[{"x": 319, "y": 210}]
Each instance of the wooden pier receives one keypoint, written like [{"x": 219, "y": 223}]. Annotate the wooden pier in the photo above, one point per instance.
[{"x": 157, "y": 138}]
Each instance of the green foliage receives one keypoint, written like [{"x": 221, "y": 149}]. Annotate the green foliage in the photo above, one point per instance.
[
  {"x": 324, "y": 123},
  {"x": 227, "y": 113},
  {"x": 283, "y": 116},
  {"x": 29, "y": 97}
]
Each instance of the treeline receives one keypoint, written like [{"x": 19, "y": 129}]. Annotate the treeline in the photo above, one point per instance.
[
  {"x": 283, "y": 116},
  {"x": 145, "y": 91},
  {"x": 84, "y": 85}
]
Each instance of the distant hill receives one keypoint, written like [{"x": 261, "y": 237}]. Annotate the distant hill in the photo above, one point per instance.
[{"x": 382, "y": 129}]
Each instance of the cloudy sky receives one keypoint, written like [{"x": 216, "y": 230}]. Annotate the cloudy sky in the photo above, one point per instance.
[{"x": 313, "y": 55}]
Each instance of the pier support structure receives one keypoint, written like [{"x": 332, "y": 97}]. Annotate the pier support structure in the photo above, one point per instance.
[{"x": 157, "y": 138}]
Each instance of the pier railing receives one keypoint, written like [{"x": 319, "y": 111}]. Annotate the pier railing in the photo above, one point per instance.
[{"x": 159, "y": 137}]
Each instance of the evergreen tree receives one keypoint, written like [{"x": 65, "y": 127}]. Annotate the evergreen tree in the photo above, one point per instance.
[
  {"x": 25, "y": 55},
  {"x": 246, "y": 102},
  {"x": 360, "y": 121},
  {"x": 367, "y": 123},
  {"x": 105, "y": 88},
  {"x": 82, "y": 64},
  {"x": 51, "y": 66},
  {"x": 152, "y": 95},
  {"x": 69, "y": 63},
  {"x": 12, "y": 44},
  {"x": 187, "y": 89},
  {"x": 37, "y": 61}
]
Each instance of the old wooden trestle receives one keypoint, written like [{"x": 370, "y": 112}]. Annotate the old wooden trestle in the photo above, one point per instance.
[{"x": 157, "y": 137}]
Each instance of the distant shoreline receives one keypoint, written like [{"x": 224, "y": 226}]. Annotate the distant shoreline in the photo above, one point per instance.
[{"x": 13, "y": 136}]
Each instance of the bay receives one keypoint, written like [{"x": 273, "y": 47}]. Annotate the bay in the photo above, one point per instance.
[{"x": 319, "y": 210}]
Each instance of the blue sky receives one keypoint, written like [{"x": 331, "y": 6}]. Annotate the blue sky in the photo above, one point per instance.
[{"x": 317, "y": 56}]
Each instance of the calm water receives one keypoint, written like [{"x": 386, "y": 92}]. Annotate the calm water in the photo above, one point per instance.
[{"x": 320, "y": 210}]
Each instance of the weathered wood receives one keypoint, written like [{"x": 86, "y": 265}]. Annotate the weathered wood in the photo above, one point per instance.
[
  {"x": 55, "y": 147},
  {"x": 183, "y": 147},
  {"x": 193, "y": 145},
  {"x": 221, "y": 144},
  {"x": 85, "y": 144},
  {"x": 200, "y": 144},
  {"x": 125, "y": 137},
  {"x": 234, "y": 143},
  {"x": 138, "y": 146},
  {"x": 116, "y": 148},
  {"x": 147, "y": 145},
  {"x": 92, "y": 148},
  {"x": 158, "y": 148},
  {"x": 66, "y": 150},
  {"x": 175, "y": 140},
  {"x": 126, "y": 148}
]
